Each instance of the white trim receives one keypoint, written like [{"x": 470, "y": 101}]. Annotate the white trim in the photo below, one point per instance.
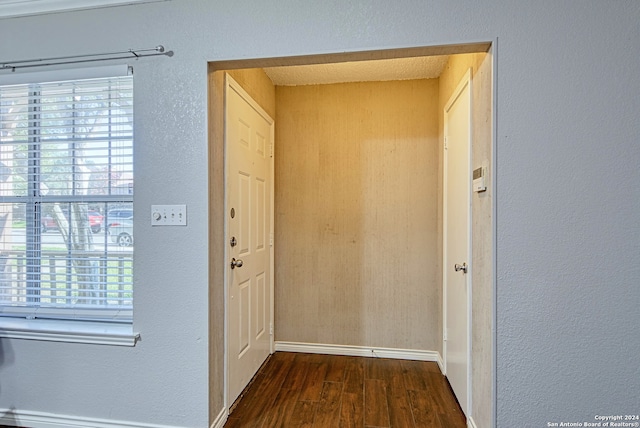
[
  {"x": 39, "y": 7},
  {"x": 361, "y": 351},
  {"x": 272, "y": 253},
  {"x": 80, "y": 73},
  {"x": 471, "y": 423},
  {"x": 494, "y": 232},
  {"x": 470, "y": 195},
  {"x": 15, "y": 417},
  {"x": 69, "y": 331},
  {"x": 225, "y": 352},
  {"x": 220, "y": 420}
]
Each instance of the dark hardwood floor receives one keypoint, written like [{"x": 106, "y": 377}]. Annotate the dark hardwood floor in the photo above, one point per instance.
[{"x": 310, "y": 390}]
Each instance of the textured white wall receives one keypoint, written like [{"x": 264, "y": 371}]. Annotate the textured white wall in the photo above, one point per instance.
[
  {"x": 568, "y": 200},
  {"x": 568, "y": 213},
  {"x": 164, "y": 378}
]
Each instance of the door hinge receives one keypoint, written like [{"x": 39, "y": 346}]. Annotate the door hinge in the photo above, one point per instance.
[
  {"x": 271, "y": 149},
  {"x": 445, "y": 142},
  {"x": 271, "y": 329},
  {"x": 271, "y": 239},
  {"x": 444, "y": 334}
]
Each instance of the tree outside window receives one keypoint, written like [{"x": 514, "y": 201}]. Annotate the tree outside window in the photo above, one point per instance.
[{"x": 66, "y": 166}]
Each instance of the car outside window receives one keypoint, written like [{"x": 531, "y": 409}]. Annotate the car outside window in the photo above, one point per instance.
[{"x": 66, "y": 166}]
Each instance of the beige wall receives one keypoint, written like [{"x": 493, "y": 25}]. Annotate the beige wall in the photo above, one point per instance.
[
  {"x": 482, "y": 280},
  {"x": 258, "y": 85},
  {"x": 356, "y": 215}
]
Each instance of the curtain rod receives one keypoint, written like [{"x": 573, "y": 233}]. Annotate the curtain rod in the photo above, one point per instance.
[{"x": 76, "y": 59}]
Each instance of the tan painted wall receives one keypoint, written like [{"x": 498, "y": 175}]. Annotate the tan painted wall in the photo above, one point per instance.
[
  {"x": 356, "y": 215},
  {"x": 482, "y": 280},
  {"x": 258, "y": 85}
]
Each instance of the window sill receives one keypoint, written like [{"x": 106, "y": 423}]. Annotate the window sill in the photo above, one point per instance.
[{"x": 69, "y": 331}]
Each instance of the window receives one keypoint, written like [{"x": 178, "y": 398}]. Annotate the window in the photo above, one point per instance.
[{"x": 66, "y": 165}]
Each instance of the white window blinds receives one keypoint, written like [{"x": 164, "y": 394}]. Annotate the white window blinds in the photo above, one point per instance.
[{"x": 66, "y": 193}]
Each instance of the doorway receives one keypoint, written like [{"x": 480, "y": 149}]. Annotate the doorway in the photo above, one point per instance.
[{"x": 325, "y": 323}]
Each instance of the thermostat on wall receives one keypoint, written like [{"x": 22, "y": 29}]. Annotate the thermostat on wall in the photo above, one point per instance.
[{"x": 478, "y": 180}]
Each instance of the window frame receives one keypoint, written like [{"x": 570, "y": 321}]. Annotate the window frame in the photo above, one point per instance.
[{"x": 78, "y": 325}]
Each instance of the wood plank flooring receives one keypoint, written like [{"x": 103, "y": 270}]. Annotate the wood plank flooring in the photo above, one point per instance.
[{"x": 317, "y": 391}]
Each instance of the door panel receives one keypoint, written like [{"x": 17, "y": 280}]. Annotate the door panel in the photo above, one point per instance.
[
  {"x": 248, "y": 203},
  {"x": 243, "y": 207},
  {"x": 244, "y": 303},
  {"x": 457, "y": 193},
  {"x": 260, "y": 322},
  {"x": 261, "y": 218}
]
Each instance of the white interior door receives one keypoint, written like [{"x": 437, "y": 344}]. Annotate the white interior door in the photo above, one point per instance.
[
  {"x": 248, "y": 144},
  {"x": 457, "y": 254}
]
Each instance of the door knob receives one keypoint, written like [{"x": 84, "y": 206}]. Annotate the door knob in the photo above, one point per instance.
[
  {"x": 236, "y": 263},
  {"x": 463, "y": 267}
]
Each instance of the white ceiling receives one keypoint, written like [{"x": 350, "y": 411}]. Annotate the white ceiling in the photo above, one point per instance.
[
  {"x": 425, "y": 67},
  {"x": 10, "y": 8}
]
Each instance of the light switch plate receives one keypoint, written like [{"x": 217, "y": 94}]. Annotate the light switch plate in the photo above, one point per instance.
[{"x": 168, "y": 215}]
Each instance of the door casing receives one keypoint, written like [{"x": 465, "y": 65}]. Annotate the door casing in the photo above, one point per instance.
[{"x": 218, "y": 187}]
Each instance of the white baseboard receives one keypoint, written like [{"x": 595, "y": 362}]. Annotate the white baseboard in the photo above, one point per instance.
[
  {"x": 221, "y": 419},
  {"x": 25, "y": 418},
  {"x": 471, "y": 423},
  {"x": 361, "y": 351}
]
